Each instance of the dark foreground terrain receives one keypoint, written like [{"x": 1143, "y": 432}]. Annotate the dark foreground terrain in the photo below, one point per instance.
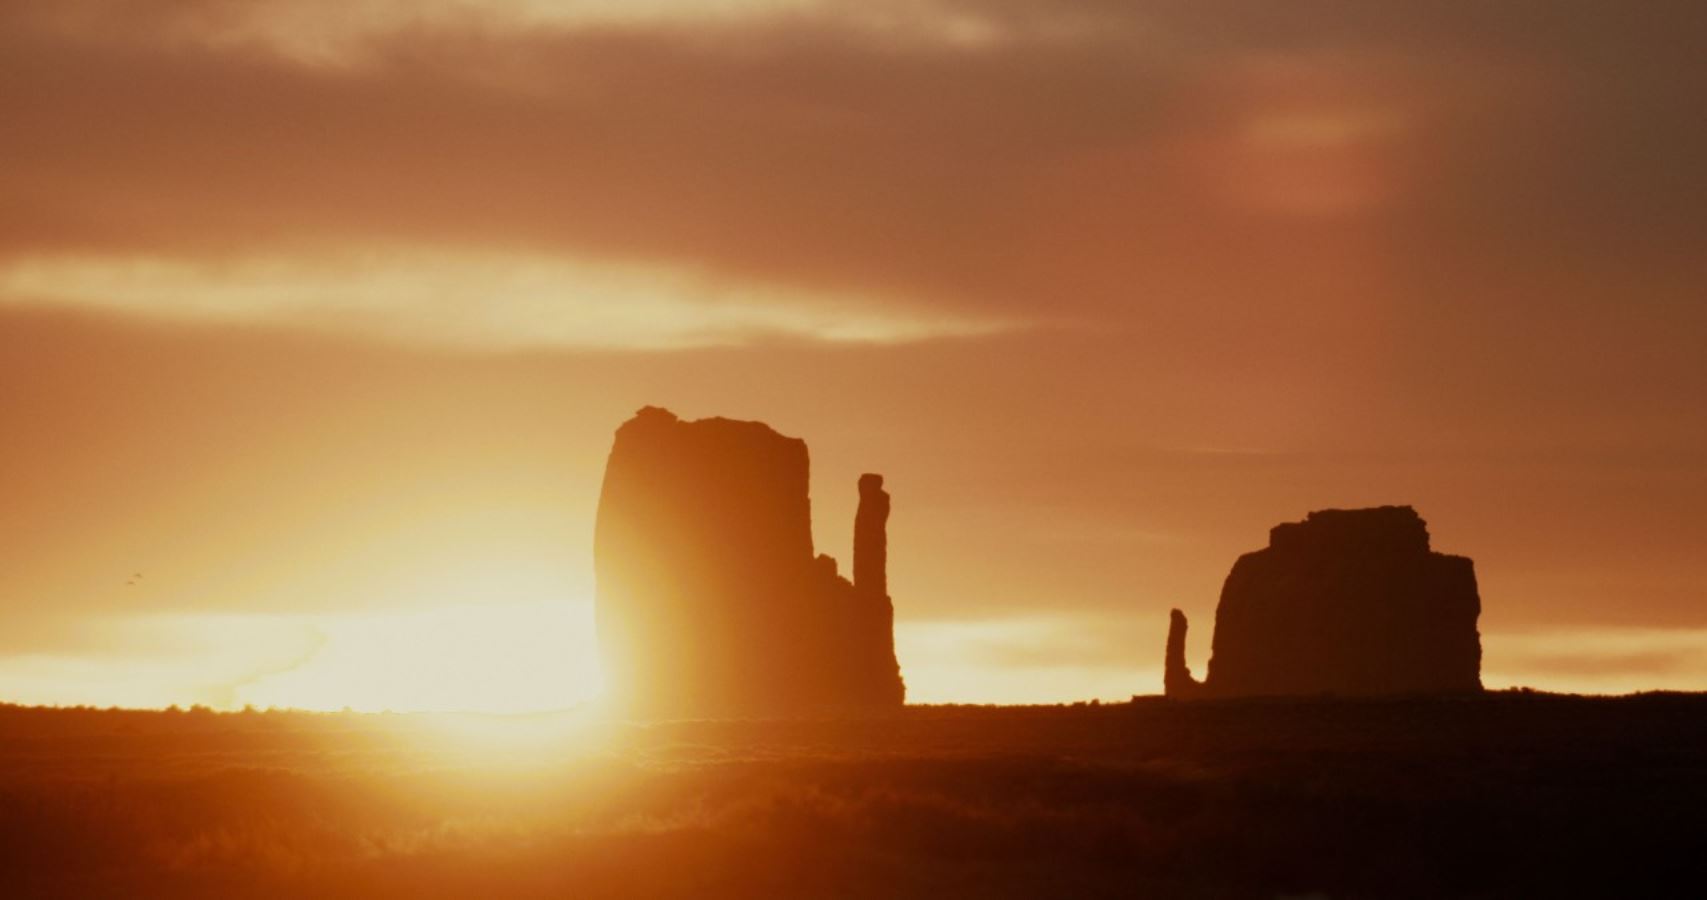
[{"x": 1510, "y": 795}]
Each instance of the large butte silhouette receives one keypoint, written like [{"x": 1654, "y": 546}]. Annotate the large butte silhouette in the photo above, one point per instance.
[
  {"x": 1348, "y": 602},
  {"x": 711, "y": 600}
]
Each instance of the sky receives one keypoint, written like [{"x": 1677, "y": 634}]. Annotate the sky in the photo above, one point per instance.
[{"x": 316, "y": 319}]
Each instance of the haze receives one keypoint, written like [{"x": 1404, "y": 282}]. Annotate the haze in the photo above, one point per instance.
[{"x": 316, "y": 320}]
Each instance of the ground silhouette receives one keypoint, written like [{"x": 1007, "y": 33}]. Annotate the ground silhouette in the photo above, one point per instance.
[
  {"x": 1349, "y": 602},
  {"x": 711, "y": 601},
  {"x": 1495, "y": 796}
]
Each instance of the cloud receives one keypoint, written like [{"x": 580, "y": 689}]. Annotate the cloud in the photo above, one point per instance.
[
  {"x": 474, "y": 301},
  {"x": 1109, "y": 161}
]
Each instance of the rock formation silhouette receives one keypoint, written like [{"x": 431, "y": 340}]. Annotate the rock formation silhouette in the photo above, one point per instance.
[
  {"x": 871, "y": 540},
  {"x": 711, "y": 602},
  {"x": 1176, "y": 675},
  {"x": 1350, "y": 602}
]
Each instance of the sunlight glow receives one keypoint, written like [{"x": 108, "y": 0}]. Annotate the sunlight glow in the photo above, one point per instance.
[
  {"x": 498, "y": 677},
  {"x": 494, "y": 658},
  {"x": 160, "y": 660},
  {"x": 1596, "y": 661},
  {"x": 514, "y": 741},
  {"x": 1018, "y": 660}
]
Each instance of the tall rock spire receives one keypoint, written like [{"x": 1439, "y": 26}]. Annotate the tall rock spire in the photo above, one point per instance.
[
  {"x": 1176, "y": 675},
  {"x": 871, "y": 540}
]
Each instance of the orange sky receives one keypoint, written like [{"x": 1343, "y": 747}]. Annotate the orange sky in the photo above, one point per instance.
[{"x": 320, "y": 316}]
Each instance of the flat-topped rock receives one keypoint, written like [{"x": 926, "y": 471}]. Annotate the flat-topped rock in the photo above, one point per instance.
[{"x": 1350, "y": 602}]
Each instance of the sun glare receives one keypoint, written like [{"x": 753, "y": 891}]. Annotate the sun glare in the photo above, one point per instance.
[
  {"x": 514, "y": 742},
  {"x": 493, "y": 657}
]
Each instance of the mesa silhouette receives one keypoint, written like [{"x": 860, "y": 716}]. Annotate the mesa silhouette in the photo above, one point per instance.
[
  {"x": 711, "y": 601},
  {"x": 1350, "y": 602}
]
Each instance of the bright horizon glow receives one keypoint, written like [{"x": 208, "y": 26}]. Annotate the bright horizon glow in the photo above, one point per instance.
[
  {"x": 998, "y": 661},
  {"x": 507, "y": 658},
  {"x": 531, "y": 658},
  {"x": 500, "y": 658}
]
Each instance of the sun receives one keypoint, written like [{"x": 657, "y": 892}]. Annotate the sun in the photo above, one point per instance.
[{"x": 496, "y": 640}]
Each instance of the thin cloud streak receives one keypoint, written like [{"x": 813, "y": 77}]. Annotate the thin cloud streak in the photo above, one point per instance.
[{"x": 476, "y": 301}]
